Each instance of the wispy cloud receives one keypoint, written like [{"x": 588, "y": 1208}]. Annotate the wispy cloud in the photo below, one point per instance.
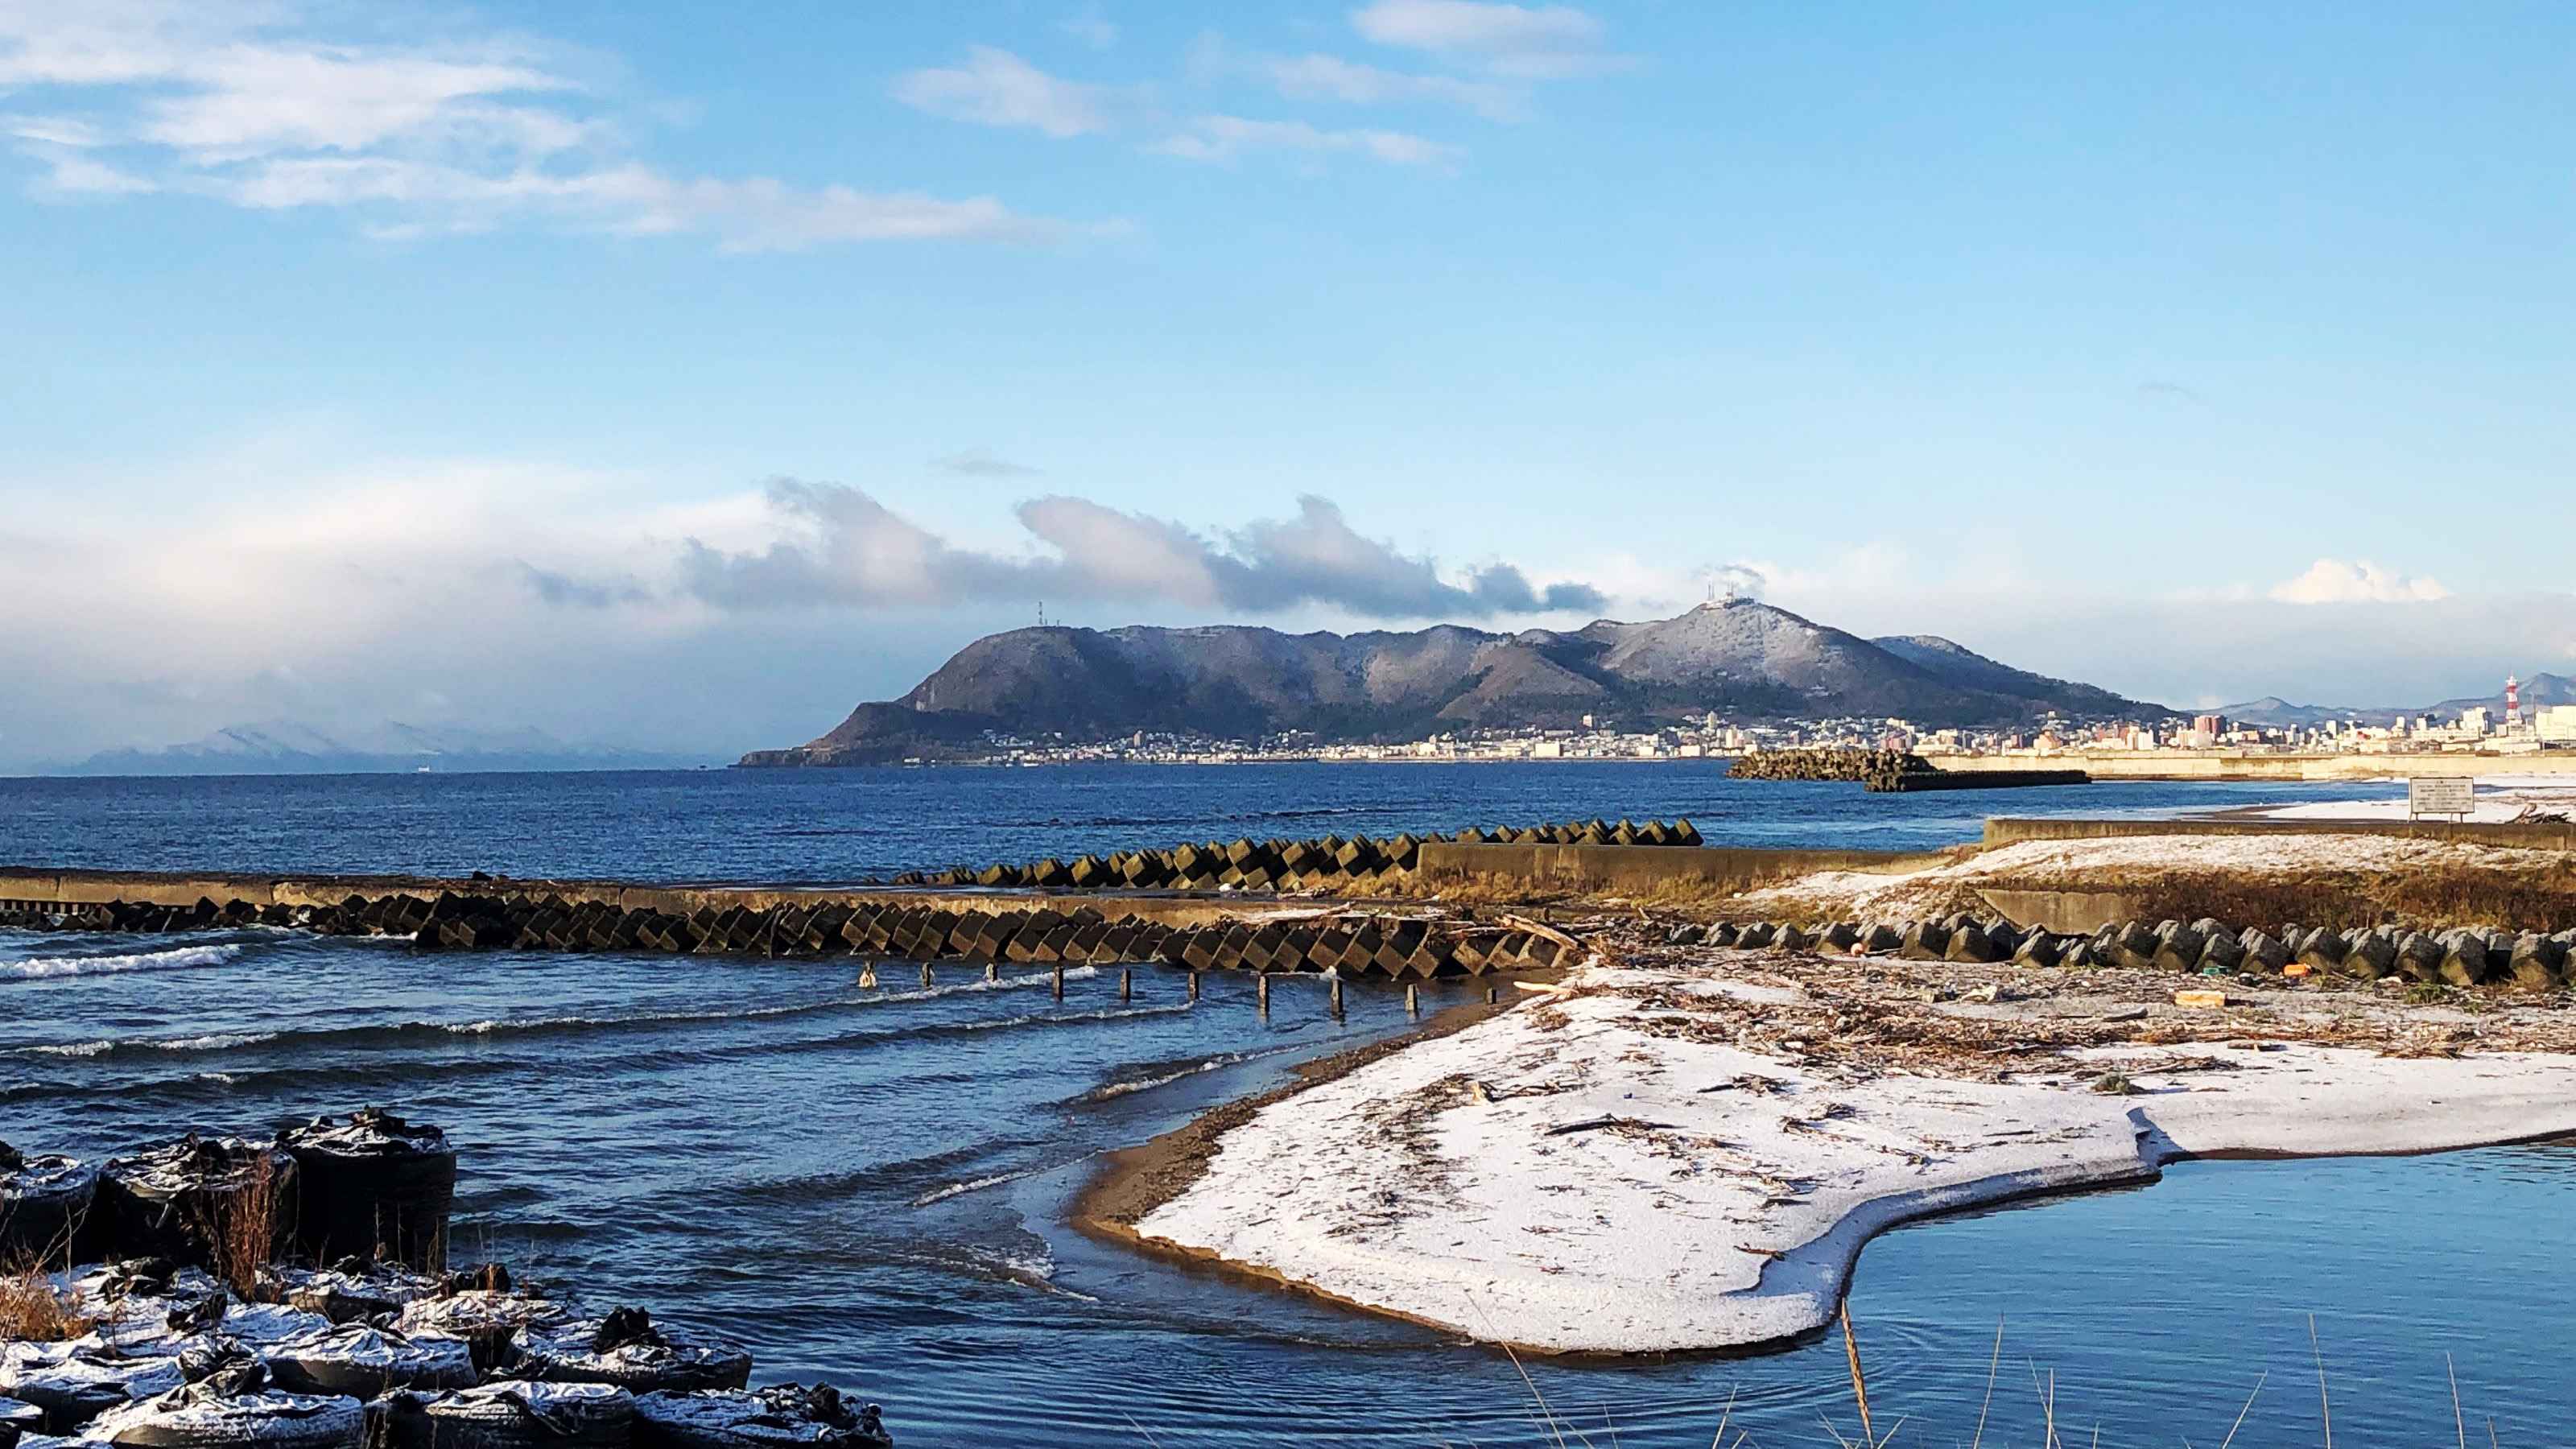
[
  {"x": 980, "y": 463},
  {"x": 996, "y": 88},
  {"x": 2335, "y": 581},
  {"x": 1547, "y": 43},
  {"x": 1223, "y": 138},
  {"x": 846, "y": 549},
  {"x": 1088, "y": 26},
  {"x": 1331, "y": 78},
  {"x": 259, "y": 107},
  {"x": 571, "y": 591}
]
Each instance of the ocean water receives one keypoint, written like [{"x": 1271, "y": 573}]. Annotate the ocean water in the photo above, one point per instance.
[{"x": 868, "y": 1185}]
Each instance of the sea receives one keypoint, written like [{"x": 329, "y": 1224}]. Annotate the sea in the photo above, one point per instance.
[{"x": 869, "y": 1185}]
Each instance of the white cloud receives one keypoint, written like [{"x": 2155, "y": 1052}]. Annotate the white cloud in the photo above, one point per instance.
[
  {"x": 997, "y": 88},
  {"x": 1547, "y": 43},
  {"x": 839, "y": 547},
  {"x": 1222, "y": 138},
  {"x": 1326, "y": 77},
  {"x": 250, "y": 106},
  {"x": 760, "y": 214},
  {"x": 1088, "y": 26},
  {"x": 979, "y": 462},
  {"x": 370, "y": 581},
  {"x": 2334, "y": 581}
]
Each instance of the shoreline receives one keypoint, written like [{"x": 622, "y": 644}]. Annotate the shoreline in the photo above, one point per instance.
[
  {"x": 1130, "y": 1183},
  {"x": 1172, "y": 1198}
]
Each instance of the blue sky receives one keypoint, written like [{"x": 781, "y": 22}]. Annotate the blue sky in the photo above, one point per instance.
[{"x": 679, "y": 374}]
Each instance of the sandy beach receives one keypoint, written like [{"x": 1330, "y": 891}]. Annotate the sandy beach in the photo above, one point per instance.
[{"x": 1687, "y": 1149}]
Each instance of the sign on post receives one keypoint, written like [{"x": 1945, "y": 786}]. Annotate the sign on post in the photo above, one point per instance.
[{"x": 2451, "y": 795}]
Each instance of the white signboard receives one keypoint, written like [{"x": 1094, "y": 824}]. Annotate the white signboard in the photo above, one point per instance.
[{"x": 2450, "y": 795}]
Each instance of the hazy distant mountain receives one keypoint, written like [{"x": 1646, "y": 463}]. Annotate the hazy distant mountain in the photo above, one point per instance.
[
  {"x": 2274, "y": 712},
  {"x": 285, "y": 747},
  {"x": 2538, "y": 690},
  {"x": 1740, "y": 658}
]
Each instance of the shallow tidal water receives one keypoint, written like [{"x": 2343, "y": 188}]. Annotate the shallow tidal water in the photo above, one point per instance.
[{"x": 868, "y": 1185}]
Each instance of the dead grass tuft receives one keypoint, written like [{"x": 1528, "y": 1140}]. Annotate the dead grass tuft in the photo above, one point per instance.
[
  {"x": 32, "y": 1310},
  {"x": 244, "y": 1227}
]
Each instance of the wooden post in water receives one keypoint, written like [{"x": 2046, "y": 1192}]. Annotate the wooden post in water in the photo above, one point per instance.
[
  {"x": 867, "y": 976},
  {"x": 925, "y": 976},
  {"x": 1493, "y": 994},
  {"x": 1194, "y": 986},
  {"x": 1126, "y": 984},
  {"x": 1412, "y": 999},
  {"x": 1265, "y": 993},
  {"x": 1059, "y": 981},
  {"x": 992, "y": 970},
  {"x": 1337, "y": 996}
]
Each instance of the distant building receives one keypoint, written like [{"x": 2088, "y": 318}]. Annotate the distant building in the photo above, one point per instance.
[{"x": 2555, "y": 723}]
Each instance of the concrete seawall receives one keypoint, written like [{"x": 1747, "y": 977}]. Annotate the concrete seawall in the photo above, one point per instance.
[
  {"x": 2240, "y": 765},
  {"x": 1644, "y": 868},
  {"x": 36, "y": 886},
  {"x": 1235, "y": 931},
  {"x": 2008, "y": 830}
]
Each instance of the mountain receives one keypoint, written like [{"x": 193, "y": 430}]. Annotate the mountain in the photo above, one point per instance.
[
  {"x": 1738, "y": 657},
  {"x": 2537, "y": 691},
  {"x": 1968, "y": 669},
  {"x": 2274, "y": 712},
  {"x": 286, "y": 747}
]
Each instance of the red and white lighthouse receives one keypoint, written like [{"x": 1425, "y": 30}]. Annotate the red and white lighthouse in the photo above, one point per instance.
[{"x": 2512, "y": 703}]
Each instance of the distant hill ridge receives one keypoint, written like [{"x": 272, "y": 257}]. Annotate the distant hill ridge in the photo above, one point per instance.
[
  {"x": 1738, "y": 657},
  {"x": 287, "y": 747},
  {"x": 2277, "y": 713}
]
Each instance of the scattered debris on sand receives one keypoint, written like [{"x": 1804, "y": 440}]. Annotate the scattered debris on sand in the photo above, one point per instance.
[{"x": 1682, "y": 1147}]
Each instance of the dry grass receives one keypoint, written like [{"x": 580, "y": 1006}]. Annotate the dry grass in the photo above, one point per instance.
[
  {"x": 1860, "y": 1018},
  {"x": 244, "y": 1227},
  {"x": 32, "y": 1310},
  {"x": 2056, "y": 1428}
]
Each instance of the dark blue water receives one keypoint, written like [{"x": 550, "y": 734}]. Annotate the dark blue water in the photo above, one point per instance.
[
  {"x": 833, "y": 825},
  {"x": 868, "y": 1184}
]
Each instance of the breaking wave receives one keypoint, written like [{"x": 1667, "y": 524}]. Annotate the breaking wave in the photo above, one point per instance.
[
  {"x": 178, "y": 957},
  {"x": 1170, "y": 1072}
]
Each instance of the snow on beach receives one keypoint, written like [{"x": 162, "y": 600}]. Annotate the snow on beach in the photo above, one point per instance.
[
  {"x": 2076, "y": 864},
  {"x": 1690, "y": 1155},
  {"x": 2499, "y": 799}
]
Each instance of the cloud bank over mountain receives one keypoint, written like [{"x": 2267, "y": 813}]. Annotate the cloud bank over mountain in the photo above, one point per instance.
[{"x": 848, "y": 550}]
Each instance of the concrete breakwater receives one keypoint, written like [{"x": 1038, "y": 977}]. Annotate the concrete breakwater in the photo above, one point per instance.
[
  {"x": 2462, "y": 957},
  {"x": 1283, "y": 864},
  {"x": 1918, "y": 781},
  {"x": 1888, "y": 772},
  {"x": 1875, "y": 768},
  {"x": 988, "y": 930}
]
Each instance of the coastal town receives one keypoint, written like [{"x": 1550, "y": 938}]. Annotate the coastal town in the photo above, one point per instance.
[{"x": 2476, "y": 731}]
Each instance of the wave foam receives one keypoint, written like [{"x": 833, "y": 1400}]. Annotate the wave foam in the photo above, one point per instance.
[
  {"x": 1110, "y": 1091},
  {"x": 43, "y": 967},
  {"x": 960, "y": 1189}
]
